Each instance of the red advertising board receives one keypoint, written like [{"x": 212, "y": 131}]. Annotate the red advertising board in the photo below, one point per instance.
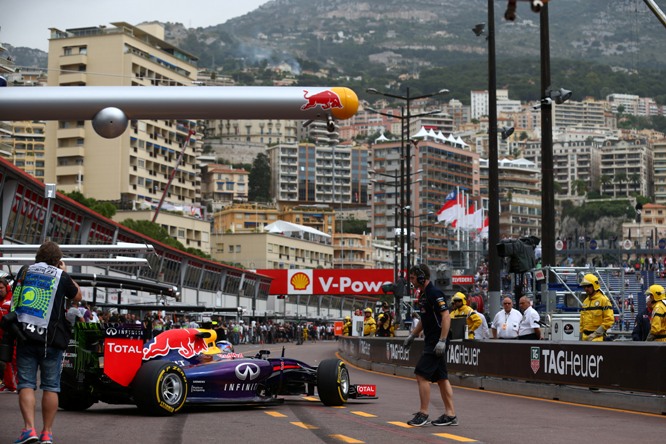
[
  {"x": 329, "y": 282},
  {"x": 462, "y": 280}
]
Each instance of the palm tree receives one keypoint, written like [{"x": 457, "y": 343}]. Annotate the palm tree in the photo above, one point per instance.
[
  {"x": 620, "y": 178},
  {"x": 635, "y": 179},
  {"x": 580, "y": 186},
  {"x": 605, "y": 180}
]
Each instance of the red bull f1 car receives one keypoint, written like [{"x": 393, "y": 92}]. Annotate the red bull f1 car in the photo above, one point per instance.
[{"x": 112, "y": 364}]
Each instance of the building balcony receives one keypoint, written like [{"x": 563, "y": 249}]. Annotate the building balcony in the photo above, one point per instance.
[
  {"x": 74, "y": 59},
  {"x": 73, "y": 78},
  {"x": 69, "y": 170},
  {"x": 71, "y": 151}
]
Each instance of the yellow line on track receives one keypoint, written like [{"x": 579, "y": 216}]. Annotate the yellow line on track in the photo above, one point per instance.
[
  {"x": 400, "y": 424},
  {"x": 365, "y": 415},
  {"x": 275, "y": 414},
  {"x": 454, "y": 437},
  {"x": 346, "y": 439},
  {"x": 304, "y": 425}
]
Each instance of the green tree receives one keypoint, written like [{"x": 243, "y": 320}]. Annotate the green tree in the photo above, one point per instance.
[
  {"x": 106, "y": 209},
  {"x": 580, "y": 186},
  {"x": 620, "y": 178},
  {"x": 635, "y": 180},
  {"x": 605, "y": 181},
  {"x": 260, "y": 179},
  {"x": 153, "y": 231}
]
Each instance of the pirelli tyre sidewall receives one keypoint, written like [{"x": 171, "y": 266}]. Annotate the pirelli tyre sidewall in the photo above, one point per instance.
[
  {"x": 160, "y": 388},
  {"x": 333, "y": 382}
]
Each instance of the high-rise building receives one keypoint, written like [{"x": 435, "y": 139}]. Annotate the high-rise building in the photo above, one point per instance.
[
  {"x": 310, "y": 173},
  {"x": 138, "y": 165}
]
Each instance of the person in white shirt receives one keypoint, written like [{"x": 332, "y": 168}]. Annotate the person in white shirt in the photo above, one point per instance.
[
  {"x": 507, "y": 321},
  {"x": 529, "y": 326}
]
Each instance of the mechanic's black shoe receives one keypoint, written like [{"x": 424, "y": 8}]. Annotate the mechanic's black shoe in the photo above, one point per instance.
[
  {"x": 445, "y": 420},
  {"x": 419, "y": 419}
]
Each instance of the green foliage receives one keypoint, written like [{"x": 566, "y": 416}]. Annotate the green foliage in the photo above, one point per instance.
[
  {"x": 106, "y": 209},
  {"x": 153, "y": 231},
  {"x": 595, "y": 210},
  {"x": 260, "y": 179},
  {"x": 355, "y": 226}
]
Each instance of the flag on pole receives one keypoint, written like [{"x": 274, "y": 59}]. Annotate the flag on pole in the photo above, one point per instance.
[{"x": 449, "y": 210}]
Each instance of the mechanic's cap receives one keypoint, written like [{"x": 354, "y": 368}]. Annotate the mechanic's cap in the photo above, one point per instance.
[
  {"x": 368, "y": 310},
  {"x": 348, "y": 318}
]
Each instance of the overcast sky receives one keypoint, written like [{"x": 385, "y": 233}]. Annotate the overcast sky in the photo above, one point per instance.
[{"x": 27, "y": 22}]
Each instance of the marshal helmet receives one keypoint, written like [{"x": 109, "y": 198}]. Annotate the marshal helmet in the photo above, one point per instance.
[
  {"x": 590, "y": 279},
  {"x": 657, "y": 292}
]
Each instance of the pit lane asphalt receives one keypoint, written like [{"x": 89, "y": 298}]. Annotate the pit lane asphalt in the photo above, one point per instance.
[{"x": 484, "y": 417}]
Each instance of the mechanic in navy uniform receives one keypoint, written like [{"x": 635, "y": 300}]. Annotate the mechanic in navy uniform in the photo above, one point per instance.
[
  {"x": 435, "y": 323},
  {"x": 642, "y": 324}
]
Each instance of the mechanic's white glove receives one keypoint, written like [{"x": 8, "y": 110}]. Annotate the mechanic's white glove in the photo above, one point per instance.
[
  {"x": 408, "y": 341},
  {"x": 440, "y": 348},
  {"x": 600, "y": 331}
]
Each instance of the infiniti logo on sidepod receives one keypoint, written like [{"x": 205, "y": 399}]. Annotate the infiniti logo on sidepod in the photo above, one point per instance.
[{"x": 247, "y": 370}]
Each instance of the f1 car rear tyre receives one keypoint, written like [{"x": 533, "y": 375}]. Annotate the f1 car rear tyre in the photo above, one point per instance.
[
  {"x": 69, "y": 397},
  {"x": 160, "y": 388},
  {"x": 333, "y": 382},
  {"x": 74, "y": 401}
]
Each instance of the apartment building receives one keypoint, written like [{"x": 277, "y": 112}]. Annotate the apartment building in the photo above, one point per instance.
[
  {"x": 576, "y": 167},
  {"x": 437, "y": 169},
  {"x": 626, "y": 168},
  {"x": 221, "y": 185},
  {"x": 309, "y": 173},
  {"x": 659, "y": 159},
  {"x": 284, "y": 245},
  {"x": 520, "y": 197},
  {"x": 589, "y": 112},
  {"x": 138, "y": 165},
  {"x": 22, "y": 143}
]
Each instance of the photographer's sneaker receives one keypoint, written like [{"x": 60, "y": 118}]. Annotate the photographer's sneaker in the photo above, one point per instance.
[
  {"x": 28, "y": 436},
  {"x": 419, "y": 419},
  {"x": 446, "y": 420}
]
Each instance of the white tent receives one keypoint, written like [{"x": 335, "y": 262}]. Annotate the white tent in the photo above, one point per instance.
[
  {"x": 289, "y": 228},
  {"x": 441, "y": 137},
  {"x": 460, "y": 141},
  {"x": 381, "y": 138},
  {"x": 422, "y": 134}
]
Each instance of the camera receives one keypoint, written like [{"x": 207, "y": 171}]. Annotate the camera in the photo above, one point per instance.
[{"x": 13, "y": 332}]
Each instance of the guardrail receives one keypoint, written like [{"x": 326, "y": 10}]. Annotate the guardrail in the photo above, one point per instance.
[{"x": 626, "y": 367}]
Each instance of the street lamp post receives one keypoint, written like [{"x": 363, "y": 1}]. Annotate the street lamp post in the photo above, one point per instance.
[
  {"x": 406, "y": 157},
  {"x": 493, "y": 167}
]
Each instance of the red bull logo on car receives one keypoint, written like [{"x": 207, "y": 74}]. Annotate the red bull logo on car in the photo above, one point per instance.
[{"x": 184, "y": 340}]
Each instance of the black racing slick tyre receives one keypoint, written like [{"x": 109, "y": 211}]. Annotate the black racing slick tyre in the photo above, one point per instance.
[
  {"x": 72, "y": 397},
  {"x": 160, "y": 388},
  {"x": 333, "y": 382}
]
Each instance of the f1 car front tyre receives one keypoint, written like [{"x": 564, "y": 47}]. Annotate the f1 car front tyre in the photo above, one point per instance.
[
  {"x": 160, "y": 388},
  {"x": 332, "y": 382}
]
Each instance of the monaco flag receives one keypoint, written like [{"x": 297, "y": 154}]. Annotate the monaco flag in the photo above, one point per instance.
[
  {"x": 451, "y": 208},
  {"x": 483, "y": 231}
]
